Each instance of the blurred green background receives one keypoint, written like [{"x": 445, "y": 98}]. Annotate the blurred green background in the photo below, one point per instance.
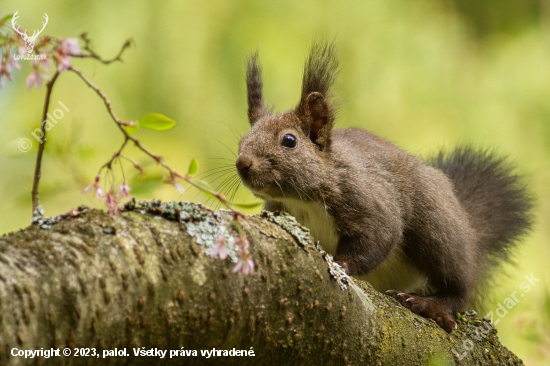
[{"x": 423, "y": 74}]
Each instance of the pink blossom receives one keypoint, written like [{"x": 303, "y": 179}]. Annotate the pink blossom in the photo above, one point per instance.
[
  {"x": 174, "y": 181},
  {"x": 99, "y": 193},
  {"x": 70, "y": 47},
  {"x": 44, "y": 61},
  {"x": 245, "y": 265},
  {"x": 12, "y": 62},
  {"x": 87, "y": 189},
  {"x": 220, "y": 249},
  {"x": 242, "y": 243},
  {"x": 138, "y": 167},
  {"x": 63, "y": 61},
  {"x": 124, "y": 190},
  {"x": 6, "y": 67},
  {"x": 179, "y": 188},
  {"x": 96, "y": 187},
  {"x": 22, "y": 50},
  {"x": 112, "y": 204},
  {"x": 35, "y": 78}
]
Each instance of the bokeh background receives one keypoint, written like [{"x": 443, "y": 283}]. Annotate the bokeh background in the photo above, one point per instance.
[{"x": 425, "y": 74}]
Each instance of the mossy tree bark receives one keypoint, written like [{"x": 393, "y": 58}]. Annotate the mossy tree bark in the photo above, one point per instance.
[{"x": 145, "y": 279}]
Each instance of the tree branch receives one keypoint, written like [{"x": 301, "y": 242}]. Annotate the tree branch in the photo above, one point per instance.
[{"x": 146, "y": 279}]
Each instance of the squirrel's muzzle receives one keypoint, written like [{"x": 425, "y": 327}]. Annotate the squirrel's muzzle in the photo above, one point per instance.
[{"x": 244, "y": 163}]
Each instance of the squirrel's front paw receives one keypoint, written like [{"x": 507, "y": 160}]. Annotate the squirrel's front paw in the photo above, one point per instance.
[
  {"x": 347, "y": 263},
  {"x": 426, "y": 308},
  {"x": 345, "y": 266}
]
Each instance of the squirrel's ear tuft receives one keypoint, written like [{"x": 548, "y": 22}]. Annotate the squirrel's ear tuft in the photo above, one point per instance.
[
  {"x": 320, "y": 70},
  {"x": 254, "y": 84},
  {"x": 315, "y": 110}
]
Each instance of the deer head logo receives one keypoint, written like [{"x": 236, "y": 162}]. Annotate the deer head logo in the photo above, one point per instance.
[{"x": 29, "y": 40}]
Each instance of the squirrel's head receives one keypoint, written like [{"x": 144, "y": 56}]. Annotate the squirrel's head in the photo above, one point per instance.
[{"x": 284, "y": 155}]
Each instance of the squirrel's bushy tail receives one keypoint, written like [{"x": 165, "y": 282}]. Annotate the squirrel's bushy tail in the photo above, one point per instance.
[{"x": 494, "y": 196}]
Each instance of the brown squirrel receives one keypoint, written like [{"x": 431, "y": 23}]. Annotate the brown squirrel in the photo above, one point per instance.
[{"x": 427, "y": 232}]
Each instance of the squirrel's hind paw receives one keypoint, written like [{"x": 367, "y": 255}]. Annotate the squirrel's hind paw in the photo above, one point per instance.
[{"x": 426, "y": 308}]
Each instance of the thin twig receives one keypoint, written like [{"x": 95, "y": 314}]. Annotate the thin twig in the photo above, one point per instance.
[
  {"x": 101, "y": 95},
  {"x": 127, "y": 137},
  {"x": 95, "y": 56},
  {"x": 49, "y": 87},
  {"x": 115, "y": 156},
  {"x": 38, "y": 165}
]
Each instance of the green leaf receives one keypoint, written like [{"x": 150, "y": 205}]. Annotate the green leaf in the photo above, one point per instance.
[
  {"x": 5, "y": 19},
  {"x": 193, "y": 167},
  {"x": 132, "y": 129},
  {"x": 247, "y": 205},
  {"x": 204, "y": 187},
  {"x": 157, "y": 122},
  {"x": 203, "y": 184}
]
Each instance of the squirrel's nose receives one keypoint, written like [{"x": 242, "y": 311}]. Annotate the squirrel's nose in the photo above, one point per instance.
[{"x": 243, "y": 163}]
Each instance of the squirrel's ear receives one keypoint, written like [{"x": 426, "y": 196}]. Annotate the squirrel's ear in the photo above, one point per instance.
[
  {"x": 315, "y": 111},
  {"x": 256, "y": 107},
  {"x": 317, "y": 118}
]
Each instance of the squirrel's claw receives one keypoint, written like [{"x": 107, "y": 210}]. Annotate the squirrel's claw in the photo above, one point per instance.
[{"x": 426, "y": 308}]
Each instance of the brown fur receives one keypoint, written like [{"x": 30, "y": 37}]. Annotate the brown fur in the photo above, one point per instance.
[{"x": 372, "y": 201}]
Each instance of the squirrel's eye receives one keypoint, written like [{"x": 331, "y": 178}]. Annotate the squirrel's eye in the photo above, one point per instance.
[{"x": 289, "y": 141}]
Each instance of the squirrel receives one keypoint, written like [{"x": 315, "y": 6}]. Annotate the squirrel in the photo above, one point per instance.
[{"x": 425, "y": 231}]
